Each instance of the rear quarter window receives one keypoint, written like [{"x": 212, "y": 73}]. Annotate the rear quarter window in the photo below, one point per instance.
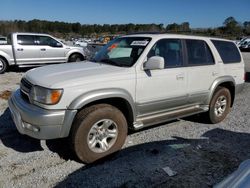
[{"x": 228, "y": 51}]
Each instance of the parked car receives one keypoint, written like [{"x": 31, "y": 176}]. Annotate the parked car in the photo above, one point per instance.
[
  {"x": 29, "y": 49},
  {"x": 81, "y": 43},
  {"x": 3, "y": 40},
  {"x": 133, "y": 82},
  {"x": 245, "y": 47},
  {"x": 243, "y": 41}
]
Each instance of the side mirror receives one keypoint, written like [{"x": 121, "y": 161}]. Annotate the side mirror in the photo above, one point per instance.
[
  {"x": 154, "y": 62},
  {"x": 56, "y": 45}
]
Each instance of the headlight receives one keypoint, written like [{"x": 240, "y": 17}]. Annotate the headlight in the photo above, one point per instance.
[{"x": 45, "y": 95}]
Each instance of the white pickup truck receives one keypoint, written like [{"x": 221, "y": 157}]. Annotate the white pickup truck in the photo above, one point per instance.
[{"x": 33, "y": 49}]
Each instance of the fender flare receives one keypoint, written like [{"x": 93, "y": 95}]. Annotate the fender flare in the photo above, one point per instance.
[
  {"x": 5, "y": 56},
  {"x": 100, "y": 94},
  {"x": 217, "y": 82},
  {"x": 73, "y": 51}
]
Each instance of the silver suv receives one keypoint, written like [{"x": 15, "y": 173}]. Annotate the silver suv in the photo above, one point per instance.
[{"x": 133, "y": 82}]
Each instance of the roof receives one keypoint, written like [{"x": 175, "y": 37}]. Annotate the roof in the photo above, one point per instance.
[
  {"x": 29, "y": 33},
  {"x": 168, "y": 35}
]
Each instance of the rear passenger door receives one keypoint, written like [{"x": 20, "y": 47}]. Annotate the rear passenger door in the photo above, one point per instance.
[
  {"x": 26, "y": 51},
  {"x": 161, "y": 90},
  {"x": 201, "y": 68}
]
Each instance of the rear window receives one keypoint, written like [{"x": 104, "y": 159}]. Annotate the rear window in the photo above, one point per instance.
[
  {"x": 228, "y": 51},
  {"x": 26, "y": 39}
]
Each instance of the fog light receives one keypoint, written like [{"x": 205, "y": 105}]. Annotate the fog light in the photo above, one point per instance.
[{"x": 30, "y": 127}]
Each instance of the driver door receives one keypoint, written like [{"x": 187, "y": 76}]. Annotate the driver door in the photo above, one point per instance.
[
  {"x": 161, "y": 90},
  {"x": 51, "y": 51}
]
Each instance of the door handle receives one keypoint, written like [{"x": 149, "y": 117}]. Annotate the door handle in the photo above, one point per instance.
[
  {"x": 180, "y": 76},
  {"x": 19, "y": 49},
  {"x": 43, "y": 49}
]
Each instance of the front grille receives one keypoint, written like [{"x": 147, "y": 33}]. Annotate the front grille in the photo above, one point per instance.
[{"x": 25, "y": 89}]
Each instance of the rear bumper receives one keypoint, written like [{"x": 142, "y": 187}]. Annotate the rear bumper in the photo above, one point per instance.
[{"x": 37, "y": 122}]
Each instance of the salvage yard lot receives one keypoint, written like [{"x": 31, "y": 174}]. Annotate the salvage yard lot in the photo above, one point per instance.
[{"x": 201, "y": 154}]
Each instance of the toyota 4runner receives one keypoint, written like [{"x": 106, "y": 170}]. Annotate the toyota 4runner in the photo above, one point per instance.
[{"x": 133, "y": 82}]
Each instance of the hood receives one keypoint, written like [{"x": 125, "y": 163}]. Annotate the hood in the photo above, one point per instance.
[{"x": 72, "y": 74}]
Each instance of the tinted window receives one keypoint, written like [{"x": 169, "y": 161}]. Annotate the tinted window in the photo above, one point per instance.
[
  {"x": 228, "y": 51},
  {"x": 47, "y": 41},
  {"x": 198, "y": 53},
  {"x": 170, "y": 50},
  {"x": 25, "y": 39}
]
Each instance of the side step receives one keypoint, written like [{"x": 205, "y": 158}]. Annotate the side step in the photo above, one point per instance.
[{"x": 153, "y": 119}]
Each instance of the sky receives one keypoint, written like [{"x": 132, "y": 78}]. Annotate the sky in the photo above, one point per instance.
[{"x": 199, "y": 13}]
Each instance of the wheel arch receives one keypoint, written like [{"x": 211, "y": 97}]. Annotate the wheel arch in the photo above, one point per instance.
[
  {"x": 5, "y": 58},
  {"x": 224, "y": 81},
  {"x": 76, "y": 53},
  {"x": 116, "y": 97}
]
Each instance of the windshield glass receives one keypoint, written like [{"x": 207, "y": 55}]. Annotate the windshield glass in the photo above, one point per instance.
[{"x": 122, "y": 51}]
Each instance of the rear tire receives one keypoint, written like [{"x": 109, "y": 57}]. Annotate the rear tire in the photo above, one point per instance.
[
  {"x": 219, "y": 105},
  {"x": 98, "y": 131},
  {"x": 3, "y": 66}
]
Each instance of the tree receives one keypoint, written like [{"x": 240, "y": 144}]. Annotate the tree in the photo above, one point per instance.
[
  {"x": 232, "y": 26},
  {"x": 246, "y": 27},
  {"x": 174, "y": 27}
]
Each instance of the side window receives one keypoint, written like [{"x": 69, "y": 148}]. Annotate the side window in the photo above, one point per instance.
[
  {"x": 170, "y": 50},
  {"x": 228, "y": 51},
  {"x": 26, "y": 39},
  {"x": 47, "y": 41},
  {"x": 198, "y": 52}
]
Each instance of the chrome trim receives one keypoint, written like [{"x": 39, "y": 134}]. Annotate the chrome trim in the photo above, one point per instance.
[{"x": 160, "y": 117}]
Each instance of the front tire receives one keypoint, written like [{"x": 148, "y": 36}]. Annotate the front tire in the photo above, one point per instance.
[
  {"x": 219, "y": 105},
  {"x": 3, "y": 66},
  {"x": 98, "y": 131},
  {"x": 76, "y": 58}
]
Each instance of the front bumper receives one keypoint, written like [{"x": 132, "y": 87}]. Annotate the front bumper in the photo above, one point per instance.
[{"x": 37, "y": 122}]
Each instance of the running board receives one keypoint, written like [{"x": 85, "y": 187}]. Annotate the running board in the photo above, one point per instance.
[{"x": 153, "y": 119}]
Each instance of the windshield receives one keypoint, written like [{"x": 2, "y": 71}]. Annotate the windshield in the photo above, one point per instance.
[{"x": 123, "y": 51}]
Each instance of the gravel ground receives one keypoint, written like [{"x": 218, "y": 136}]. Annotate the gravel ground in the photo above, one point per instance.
[{"x": 201, "y": 154}]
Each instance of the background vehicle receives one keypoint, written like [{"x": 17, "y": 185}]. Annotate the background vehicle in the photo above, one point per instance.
[
  {"x": 133, "y": 82},
  {"x": 32, "y": 49},
  {"x": 81, "y": 43},
  {"x": 243, "y": 41},
  {"x": 3, "y": 40},
  {"x": 245, "y": 47}
]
